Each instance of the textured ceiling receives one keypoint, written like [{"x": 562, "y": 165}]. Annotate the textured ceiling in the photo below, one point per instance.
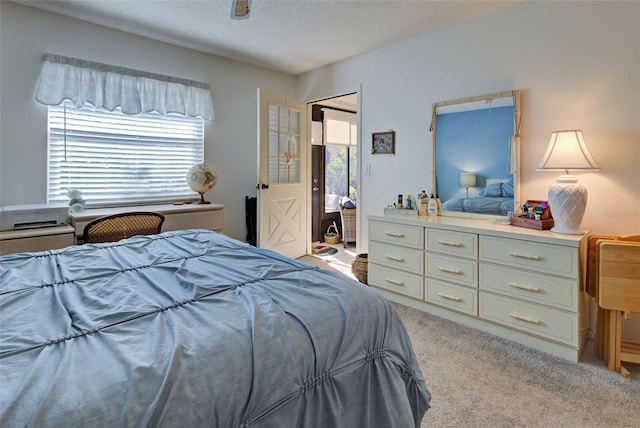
[{"x": 292, "y": 36}]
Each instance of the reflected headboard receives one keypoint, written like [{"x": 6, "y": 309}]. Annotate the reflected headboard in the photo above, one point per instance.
[{"x": 496, "y": 180}]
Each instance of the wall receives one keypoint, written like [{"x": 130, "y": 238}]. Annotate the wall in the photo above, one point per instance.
[
  {"x": 577, "y": 64},
  {"x": 230, "y": 141}
]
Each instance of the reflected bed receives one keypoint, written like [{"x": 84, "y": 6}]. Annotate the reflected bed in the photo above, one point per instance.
[
  {"x": 496, "y": 199},
  {"x": 479, "y": 205}
]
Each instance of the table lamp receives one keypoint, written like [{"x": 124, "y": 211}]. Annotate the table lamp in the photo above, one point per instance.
[
  {"x": 467, "y": 179},
  {"x": 567, "y": 198}
]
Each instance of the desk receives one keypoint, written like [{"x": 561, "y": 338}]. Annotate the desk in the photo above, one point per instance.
[
  {"x": 31, "y": 240},
  {"x": 177, "y": 217}
]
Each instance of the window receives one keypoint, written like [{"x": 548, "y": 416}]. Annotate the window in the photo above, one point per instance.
[
  {"x": 284, "y": 132},
  {"x": 340, "y": 169},
  {"x": 119, "y": 159},
  {"x": 340, "y": 175}
]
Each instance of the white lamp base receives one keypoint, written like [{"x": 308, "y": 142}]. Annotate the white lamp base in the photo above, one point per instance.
[{"x": 568, "y": 201}]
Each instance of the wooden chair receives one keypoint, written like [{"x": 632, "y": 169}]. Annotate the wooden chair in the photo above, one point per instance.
[
  {"x": 618, "y": 283},
  {"x": 593, "y": 256},
  {"x": 592, "y": 288},
  {"x": 120, "y": 226}
]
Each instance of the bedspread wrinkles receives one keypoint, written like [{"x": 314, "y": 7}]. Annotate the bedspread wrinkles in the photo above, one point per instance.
[{"x": 191, "y": 328}]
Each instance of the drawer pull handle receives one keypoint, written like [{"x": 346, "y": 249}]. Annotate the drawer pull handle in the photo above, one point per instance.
[
  {"x": 450, "y": 297},
  {"x": 394, "y": 258},
  {"x": 394, "y": 281},
  {"x": 525, "y": 256},
  {"x": 525, "y": 287},
  {"x": 451, "y": 244},
  {"x": 450, "y": 270},
  {"x": 526, "y": 319},
  {"x": 395, "y": 234}
]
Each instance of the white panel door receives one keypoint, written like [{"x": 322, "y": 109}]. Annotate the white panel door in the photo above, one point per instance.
[{"x": 282, "y": 172}]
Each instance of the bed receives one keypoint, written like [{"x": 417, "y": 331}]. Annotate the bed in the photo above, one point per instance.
[
  {"x": 192, "y": 328},
  {"x": 496, "y": 199}
]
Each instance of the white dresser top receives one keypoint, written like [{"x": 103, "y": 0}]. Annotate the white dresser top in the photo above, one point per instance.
[{"x": 484, "y": 227}]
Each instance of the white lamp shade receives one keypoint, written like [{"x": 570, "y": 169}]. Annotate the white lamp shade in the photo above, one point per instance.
[
  {"x": 566, "y": 151},
  {"x": 567, "y": 198},
  {"x": 466, "y": 179}
]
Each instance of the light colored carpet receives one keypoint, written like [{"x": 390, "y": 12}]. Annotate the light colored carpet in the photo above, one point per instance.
[{"x": 480, "y": 380}]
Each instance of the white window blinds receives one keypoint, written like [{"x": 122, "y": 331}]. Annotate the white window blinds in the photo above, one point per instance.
[
  {"x": 340, "y": 127},
  {"x": 114, "y": 158}
]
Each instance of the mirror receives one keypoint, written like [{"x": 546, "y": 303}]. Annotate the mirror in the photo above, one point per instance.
[{"x": 476, "y": 154}]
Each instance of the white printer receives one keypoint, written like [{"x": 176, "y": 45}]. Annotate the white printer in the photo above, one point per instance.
[{"x": 31, "y": 216}]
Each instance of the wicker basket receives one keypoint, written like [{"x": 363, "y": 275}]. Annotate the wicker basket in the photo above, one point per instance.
[
  {"x": 348, "y": 217},
  {"x": 360, "y": 267},
  {"x": 332, "y": 237}
]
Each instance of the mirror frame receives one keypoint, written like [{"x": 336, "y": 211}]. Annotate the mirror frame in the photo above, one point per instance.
[{"x": 516, "y": 94}]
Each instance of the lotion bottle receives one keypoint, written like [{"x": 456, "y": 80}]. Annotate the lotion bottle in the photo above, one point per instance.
[
  {"x": 438, "y": 204},
  {"x": 433, "y": 206}
]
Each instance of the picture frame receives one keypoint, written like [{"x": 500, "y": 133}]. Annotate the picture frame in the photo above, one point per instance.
[{"x": 383, "y": 142}]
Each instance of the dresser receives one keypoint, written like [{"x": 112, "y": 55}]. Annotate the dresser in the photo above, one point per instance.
[{"x": 521, "y": 284}]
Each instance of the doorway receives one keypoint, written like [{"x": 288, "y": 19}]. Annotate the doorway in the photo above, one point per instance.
[{"x": 334, "y": 164}]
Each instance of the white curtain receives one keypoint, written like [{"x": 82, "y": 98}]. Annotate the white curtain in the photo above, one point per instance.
[{"x": 107, "y": 86}]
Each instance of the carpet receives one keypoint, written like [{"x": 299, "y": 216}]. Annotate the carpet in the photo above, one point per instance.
[{"x": 480, "y": 380}]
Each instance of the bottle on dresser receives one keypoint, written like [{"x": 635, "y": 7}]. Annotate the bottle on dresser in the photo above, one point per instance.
[{"x": 433, "y": 206}]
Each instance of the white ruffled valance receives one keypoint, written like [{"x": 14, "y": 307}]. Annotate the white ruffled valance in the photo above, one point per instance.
[{"x": 109, "y": 87}]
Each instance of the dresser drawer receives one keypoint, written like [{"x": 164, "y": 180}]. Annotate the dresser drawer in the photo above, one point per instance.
[
  {"x": 546, "y": 322},
  {"x": 399, "y": 234},
  {"x": 462, "y": 299},
  {"x": 395, "y": 280},
  {"x": 454, "y": 243},
  {"x": 407, "y": 259},
  {"x": 454, "y": 269},
  {"x": 538, "y": 288},
  {"x": 538, "y": 257}
]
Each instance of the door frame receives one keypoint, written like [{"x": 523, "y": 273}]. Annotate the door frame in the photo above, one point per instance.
[{"x": 358, "y": 92}]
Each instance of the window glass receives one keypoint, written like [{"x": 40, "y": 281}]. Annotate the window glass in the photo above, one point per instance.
[
  {"x": 340, "y": 175},
  {"x": 115, "y": 158},
  {"x": 284, "y": 133}
]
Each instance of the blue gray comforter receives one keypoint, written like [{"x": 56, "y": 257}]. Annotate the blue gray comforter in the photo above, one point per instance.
[
  {"x": 480, "y": 205},
  {"x": 192, "y": 328}
]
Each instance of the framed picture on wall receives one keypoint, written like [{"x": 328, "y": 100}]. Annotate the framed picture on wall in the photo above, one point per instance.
[{"x": 383, "y": 142}]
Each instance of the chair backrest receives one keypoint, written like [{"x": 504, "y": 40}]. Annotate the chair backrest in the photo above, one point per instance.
[
  {"x": 592, "y": 262},
  {"x": 115, "y": 227},
  {"x": 619, "y": 275},
  {"x": 593, "y": 257}
]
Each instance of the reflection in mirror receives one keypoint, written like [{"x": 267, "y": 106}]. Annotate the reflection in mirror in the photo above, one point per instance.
[{"x": 475, "y": 152}]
